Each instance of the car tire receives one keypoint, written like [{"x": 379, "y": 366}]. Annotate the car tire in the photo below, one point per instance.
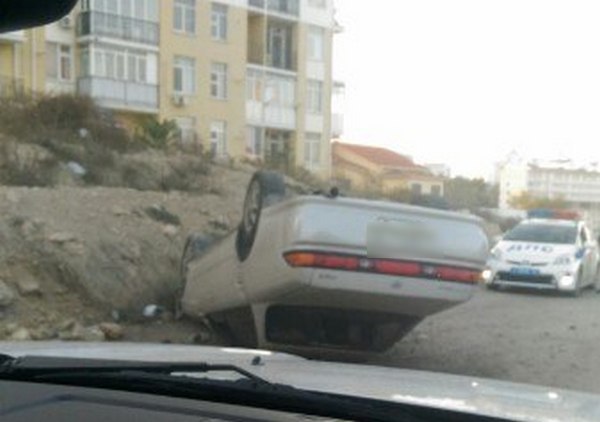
[
  {"x": 494, "y": 287},
  {"x": 596, "y": 283},
  {"x": 195, "y": 246},
  {"x": 265, "y": 189}
]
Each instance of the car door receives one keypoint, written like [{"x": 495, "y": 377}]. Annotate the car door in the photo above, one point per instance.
[
  {"x": 583, "y": 242},
  {"x": 594, "y": 253}
]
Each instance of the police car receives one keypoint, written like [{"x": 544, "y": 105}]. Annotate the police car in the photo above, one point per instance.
[{"x": 551, "y": 250}]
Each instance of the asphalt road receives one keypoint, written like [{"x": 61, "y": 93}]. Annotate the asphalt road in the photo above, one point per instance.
[{"x": 531, "y": 337}]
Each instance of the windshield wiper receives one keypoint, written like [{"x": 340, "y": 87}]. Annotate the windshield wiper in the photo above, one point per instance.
[
  {"x": 178, "y": 380},
  {"x": 39, "y": 366}
]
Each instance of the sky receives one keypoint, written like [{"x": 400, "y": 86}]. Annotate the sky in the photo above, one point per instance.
[{"x": 465, "y": 82}]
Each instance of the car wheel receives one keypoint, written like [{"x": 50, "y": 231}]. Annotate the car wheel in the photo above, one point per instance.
[
  {"x": 195, "y": 246},
  {"x": 266, "y": 188},
  {"x": 491, "y": 286},
  {"x": 596, "y": 283}
]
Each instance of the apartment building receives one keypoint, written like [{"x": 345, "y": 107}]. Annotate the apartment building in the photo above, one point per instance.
[
  {"x": 577, "y": 184},
  {"x": 242, "y": 78}
]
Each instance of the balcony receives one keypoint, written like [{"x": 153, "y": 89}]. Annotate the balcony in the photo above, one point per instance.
[
  {"x": 337, "y": 125},
  {"x": 278, "y": 7},
  {"x": 119, "y": 27},
  {"x": 11, "y": 37},
  {"x": 122, "y": 95},
  {"x": 270, "y": 98}
]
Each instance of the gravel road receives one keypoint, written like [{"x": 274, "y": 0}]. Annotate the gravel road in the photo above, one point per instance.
[{"x": 522, "y": 336}]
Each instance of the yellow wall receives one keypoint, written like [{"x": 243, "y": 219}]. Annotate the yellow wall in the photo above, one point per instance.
[{"x": 205, "y": 51}]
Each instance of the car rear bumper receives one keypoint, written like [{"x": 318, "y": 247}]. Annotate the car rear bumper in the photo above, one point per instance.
[{"x": 380, "y": 293}]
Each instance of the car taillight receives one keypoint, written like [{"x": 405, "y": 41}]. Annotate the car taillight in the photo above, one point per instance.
[
  {"x": 381, "y": 266},
  {"x": 318, "y": 260},
  {"x": 391, "y": 267}
]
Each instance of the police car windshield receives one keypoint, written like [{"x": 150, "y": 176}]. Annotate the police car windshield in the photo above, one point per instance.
[{"x": 543, "y": 233}]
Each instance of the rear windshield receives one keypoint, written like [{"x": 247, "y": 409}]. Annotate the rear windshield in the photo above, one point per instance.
[{"x": 543, "y": 233}]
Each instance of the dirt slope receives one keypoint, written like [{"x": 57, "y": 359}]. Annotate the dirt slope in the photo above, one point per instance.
[{"x": 72, "y": 257}]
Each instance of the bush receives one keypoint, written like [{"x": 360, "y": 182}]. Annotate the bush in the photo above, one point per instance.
[
  {"x": 156, "y": 134},
  {"x": 60, "y": 118}
]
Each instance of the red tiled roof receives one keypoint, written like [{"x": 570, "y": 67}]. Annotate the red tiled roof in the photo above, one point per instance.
[{"x": 377, "y": 155}]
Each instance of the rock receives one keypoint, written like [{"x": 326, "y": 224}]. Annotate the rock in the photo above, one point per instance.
[
  {"x": 7, "y": 295},
  {"x": 79, "y": 332},
  {"x": 10, "y": 328},
  {"x": 43, "y": 333},
  {"x": 93, "y": 333},
  {"x": 112, "y": 331},
  {"x": 12, "y": 196},
  {"x": 29, "y": 287},
  {"x": 170, "y": 230},
  {"x": 62, "y": 237},
  {"x": 160, "y": 214},
  {"x": 118, "y": 211},
  {"x": 21, "y": 334},
  {"x": 152, "y": 311},
  {"x": 31, "y": 228},
  {"x": 67, "y": 324}
]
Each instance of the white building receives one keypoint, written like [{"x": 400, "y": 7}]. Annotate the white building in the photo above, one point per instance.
[
  {"x": 512, "y": 177},
  {"x": 577, "y": 184}
]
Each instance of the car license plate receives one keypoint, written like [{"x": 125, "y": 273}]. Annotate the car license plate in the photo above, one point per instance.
[
  {"x": 397, "y": 239},
  {"x": 524, "y": 271}
]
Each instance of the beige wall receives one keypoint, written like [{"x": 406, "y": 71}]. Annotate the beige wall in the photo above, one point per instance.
[
  {"x": 25, "y": 60},
  {"x": 205, "y": 51}
]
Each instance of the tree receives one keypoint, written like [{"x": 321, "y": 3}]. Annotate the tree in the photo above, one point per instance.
[
  {"x": 463, "y": 193},
  {"x": 527, "y": 201}
]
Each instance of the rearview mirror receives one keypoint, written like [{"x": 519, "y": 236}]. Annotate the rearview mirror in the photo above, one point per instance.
[{"x": 22, "y": 14}]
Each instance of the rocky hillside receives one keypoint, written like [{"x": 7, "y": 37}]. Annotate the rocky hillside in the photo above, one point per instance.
[{"x": 73, "y": 257}]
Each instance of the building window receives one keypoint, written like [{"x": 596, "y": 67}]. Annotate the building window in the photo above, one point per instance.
[
  {"x": 319, "y": 4},
  {"x": 254, "y": 85},
  {"x": 218, "y": 81},
  {"x": 59, "y": 62},
  {"x": 187, "y": 130},
  {"x": 279, "y": 46},
  {"x": 316, "y": 43},
  {"x": 312, "y": 150},
  {"x": 436, "y": 190},
  {"x": 116, "y": 64},
  {"x": 416, "y": 188},
  {"x": 184, "y": 16},
  {"x": 184, "y": 75},
  {"x": 218, "y": 21},
  {"x": 255, "y": 141},
  {"x": 314, "y": 97},
  {"x": 218, "y": 138}
]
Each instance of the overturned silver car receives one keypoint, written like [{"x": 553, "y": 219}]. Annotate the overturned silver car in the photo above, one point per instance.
[{"x": 323, "y": 274}]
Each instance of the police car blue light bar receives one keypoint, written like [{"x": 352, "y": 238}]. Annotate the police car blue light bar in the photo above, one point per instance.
[{"x": 554, "y": 214}]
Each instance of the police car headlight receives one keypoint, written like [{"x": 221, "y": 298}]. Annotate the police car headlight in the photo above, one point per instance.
[{"x": 563, "y": 260}]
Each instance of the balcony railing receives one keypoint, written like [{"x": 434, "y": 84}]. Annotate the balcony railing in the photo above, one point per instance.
[
  {"x": 118, "y": 26},
  {"x": 337, "y": 125},
  {"x": 284, "y": 7},
  {"x": 120, "y": 94}
]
